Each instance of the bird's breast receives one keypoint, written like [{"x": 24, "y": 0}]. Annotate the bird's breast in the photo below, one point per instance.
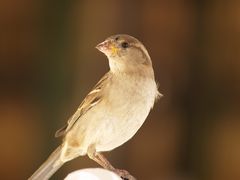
[
  {"x": 122, "y": 110},
  {"x": 132, "y": 92},
  {"x": 127, "y": 107}
]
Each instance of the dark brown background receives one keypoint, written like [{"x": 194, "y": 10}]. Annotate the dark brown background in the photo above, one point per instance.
[{"x": 48, "y": 63}]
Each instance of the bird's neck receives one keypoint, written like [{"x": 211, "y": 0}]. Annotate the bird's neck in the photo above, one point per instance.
[
  {"x": 119, "y": 66},
  {"x": 138, "y": 72}
]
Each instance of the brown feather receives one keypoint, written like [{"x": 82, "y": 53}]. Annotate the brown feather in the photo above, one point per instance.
[{"x": 91, "y": 100}]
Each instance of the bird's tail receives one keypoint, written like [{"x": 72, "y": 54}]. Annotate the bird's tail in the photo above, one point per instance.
[{"x": 49, "y": 167}]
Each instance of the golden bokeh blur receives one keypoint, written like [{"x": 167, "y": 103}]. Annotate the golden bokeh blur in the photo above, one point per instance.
[{"x": 48, "y": 64}]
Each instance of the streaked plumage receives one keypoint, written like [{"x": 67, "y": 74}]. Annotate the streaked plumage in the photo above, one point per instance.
[{"x": 113, "y": 111}]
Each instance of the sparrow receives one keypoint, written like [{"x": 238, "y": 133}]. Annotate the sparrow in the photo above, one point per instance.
[{"x": 112, "y": 112}]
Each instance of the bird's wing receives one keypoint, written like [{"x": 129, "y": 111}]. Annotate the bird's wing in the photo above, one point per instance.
[{"x": 91, "y": 100}]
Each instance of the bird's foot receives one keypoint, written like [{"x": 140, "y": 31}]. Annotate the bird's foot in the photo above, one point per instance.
[{"x": 125, "y": 175}]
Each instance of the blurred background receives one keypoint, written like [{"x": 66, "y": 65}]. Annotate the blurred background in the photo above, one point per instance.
[{"x": 48, "y": 64}]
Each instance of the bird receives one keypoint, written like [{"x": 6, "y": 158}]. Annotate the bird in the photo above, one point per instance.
[{"x": 112, "y": 112}]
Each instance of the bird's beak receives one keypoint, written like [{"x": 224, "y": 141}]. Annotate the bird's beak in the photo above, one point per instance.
[
  {"x": 103, "y": 46},
  {"x": 107, "y": 47}
]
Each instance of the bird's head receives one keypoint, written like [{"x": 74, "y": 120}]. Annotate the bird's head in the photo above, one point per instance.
[{"x": 125, "y": 53}]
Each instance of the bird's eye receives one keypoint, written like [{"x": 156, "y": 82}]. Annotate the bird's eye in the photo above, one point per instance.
[
  {"x": 125, "y": 45},
  {"x": 117, "y": 38}
]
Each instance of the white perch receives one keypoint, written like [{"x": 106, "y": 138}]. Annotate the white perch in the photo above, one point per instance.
[{"x": 92, "y": 174}]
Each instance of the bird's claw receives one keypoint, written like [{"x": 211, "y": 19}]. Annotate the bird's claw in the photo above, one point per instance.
[{"x": 125, "y": 175}]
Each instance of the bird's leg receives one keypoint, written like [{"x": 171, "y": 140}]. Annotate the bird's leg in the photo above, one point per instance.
[
  {"x": 102, "y": 161},
  {"x": 107, "y": 165}
]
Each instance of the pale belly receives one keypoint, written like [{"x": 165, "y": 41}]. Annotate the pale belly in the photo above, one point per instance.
[
  {"x": 106, "y": 130},
  {"x": 118, "y": 130},
  {"x": 112, "y": 122}
]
